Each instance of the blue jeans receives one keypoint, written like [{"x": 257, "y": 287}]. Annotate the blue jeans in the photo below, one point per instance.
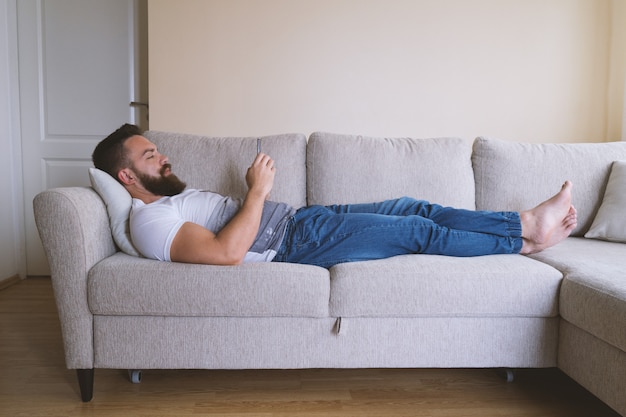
[{"x": 328, "y": 235}]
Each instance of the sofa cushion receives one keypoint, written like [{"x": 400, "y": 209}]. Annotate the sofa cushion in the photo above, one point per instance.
[
  {"x": 118, "y": 202},
  {"x": 126, "y": 285},
  {"x": 345, "y": 169},
  {"x": 220, "y": 164},
  {"x": 440, "y": 286},
  {"x": 518, "y": 176},
  {"x": 593, "y": 293},
  {"x": 610, "y": 222}
]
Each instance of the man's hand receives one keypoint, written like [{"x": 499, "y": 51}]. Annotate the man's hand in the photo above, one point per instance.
[{"x": 260, "y": 176}]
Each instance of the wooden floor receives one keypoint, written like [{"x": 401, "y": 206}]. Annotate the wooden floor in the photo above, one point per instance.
[{"x": 34, "y": 382}]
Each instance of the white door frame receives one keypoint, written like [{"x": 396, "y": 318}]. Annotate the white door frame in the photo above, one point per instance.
[{"x": 10, "y": 131}]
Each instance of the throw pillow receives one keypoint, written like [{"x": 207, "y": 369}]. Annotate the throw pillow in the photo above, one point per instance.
[
  {"x": 118, "y": 202},
  {"x": 610, "y": 222}
]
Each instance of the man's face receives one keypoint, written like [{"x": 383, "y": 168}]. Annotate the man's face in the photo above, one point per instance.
[{"x": 152, "y": 169}]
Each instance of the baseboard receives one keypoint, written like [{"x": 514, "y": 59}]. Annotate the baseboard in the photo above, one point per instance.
[{"x": 7, "y": 282}]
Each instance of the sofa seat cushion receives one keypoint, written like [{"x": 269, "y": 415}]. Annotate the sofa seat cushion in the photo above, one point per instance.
[
  {"x": 126, "y": 285},
  {"x": 593, "y": 293},
  {"x": 440, "y": 286}
]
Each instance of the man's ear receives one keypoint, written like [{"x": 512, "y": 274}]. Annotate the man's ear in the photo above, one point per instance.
[{"x": 126, "y": 176}]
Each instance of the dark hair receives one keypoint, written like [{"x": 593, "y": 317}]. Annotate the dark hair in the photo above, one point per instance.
[{"x": 110, "y": 155}]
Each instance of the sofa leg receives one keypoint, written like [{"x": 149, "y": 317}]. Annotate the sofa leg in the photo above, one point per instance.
[
  {"x": 85, "y": 382},
  {"x": 508, "y": 374},
  {"x": 134, "y": 375}
]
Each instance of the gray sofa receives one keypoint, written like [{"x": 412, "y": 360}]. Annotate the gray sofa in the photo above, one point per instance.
[{"x": 563, "y": 307}]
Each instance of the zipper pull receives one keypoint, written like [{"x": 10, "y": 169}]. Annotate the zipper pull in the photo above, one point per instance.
[{"x": 338, "y": 326}]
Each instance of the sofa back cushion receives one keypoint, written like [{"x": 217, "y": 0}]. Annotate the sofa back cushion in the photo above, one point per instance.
[
  {"x": 220, "y": 164},
  {"x": 518, "y": 176},
  {"x": 345, "y": 169}
]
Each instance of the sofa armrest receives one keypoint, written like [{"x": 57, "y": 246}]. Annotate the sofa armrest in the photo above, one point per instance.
[{"x": 74, "y": 228}]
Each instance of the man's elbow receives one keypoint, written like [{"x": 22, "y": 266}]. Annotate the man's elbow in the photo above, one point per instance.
[
  {"x": 231, "y": 258},
  {"x": 233, "y": 261}
]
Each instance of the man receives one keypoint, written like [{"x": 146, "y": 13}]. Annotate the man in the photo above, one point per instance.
[{"x": 171, "y": 223}]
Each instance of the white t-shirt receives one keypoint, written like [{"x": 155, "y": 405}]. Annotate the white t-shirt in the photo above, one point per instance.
[{"x": 153, "y": 226}]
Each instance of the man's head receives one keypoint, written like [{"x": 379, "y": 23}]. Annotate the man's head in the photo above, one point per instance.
[
  {"x": 110, "y": 155},
  {"x": 135, "y": 162}
]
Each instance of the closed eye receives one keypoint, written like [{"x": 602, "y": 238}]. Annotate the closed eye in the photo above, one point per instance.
[{"x": 149, "y": 153}]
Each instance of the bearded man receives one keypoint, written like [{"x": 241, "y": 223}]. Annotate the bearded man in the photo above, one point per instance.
[{"x": 171, "y": 223}]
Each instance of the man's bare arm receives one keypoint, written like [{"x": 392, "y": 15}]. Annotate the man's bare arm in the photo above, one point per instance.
[{"x": 195, "y": 244}]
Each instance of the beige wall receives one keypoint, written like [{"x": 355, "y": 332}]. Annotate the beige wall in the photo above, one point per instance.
[{"x": 524, "y": 70}]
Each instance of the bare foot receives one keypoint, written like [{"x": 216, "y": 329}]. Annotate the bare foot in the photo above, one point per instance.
[
  {"x": 550, "y": 222},
  {"x": 559, "y": 233}
]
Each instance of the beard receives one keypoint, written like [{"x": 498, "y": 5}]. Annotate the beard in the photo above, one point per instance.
[{"x": 162, "y": 185}]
